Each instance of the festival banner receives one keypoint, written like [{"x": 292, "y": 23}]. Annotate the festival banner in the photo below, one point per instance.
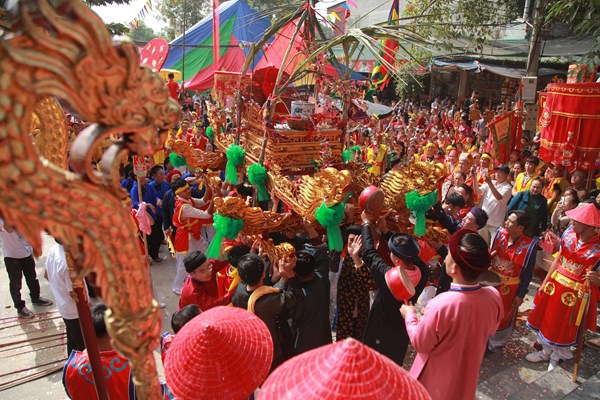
[
  {"x": 504, "y": 130},
  {"x": 139, "y": 166},
  {"x": 381, "y": 71}
]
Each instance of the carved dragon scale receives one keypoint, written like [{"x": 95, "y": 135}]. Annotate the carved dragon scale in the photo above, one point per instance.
[{"x": 66, "y": 52}]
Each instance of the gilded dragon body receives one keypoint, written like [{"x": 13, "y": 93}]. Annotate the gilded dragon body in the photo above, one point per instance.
[{"x": 66, "y": 52}]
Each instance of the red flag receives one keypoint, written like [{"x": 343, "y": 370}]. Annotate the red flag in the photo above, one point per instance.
[
  {"x": 380, "y": 75},
  {"x": 216, "y": 34}
]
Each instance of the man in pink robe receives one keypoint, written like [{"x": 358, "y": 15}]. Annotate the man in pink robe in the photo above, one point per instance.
[{"x": 451, "y": 337}]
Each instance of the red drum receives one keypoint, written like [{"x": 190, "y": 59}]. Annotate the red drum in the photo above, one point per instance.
[
  {"x": 371, "y": 199},
  {"x": 399, "y": 284}
]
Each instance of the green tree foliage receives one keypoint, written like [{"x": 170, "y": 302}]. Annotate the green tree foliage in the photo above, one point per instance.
[
  {"x": 174, "y": 12},
  {"x": 143, "y": 34},
  {"x": 581, "y": 16},
  {"x": 118, "y": 29},
  {"x": 476, "y": 21},
  {"x": 115, "y": 28}
]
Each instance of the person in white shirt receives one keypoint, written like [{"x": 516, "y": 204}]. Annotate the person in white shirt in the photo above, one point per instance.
[
  {"x": 496, "y": 195},
  {"x": 18, "y": 258},
  {"x": 58, "y": 277}
]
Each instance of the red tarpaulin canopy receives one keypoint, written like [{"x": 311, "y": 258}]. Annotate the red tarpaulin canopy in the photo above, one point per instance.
[
  {"x": 276, "y": 50},
  {"x": 570, "y": 122},
  {"x": 232, "y": 60}
]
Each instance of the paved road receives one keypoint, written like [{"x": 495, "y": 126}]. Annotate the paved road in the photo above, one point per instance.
[{"x": 503, "y": 375}]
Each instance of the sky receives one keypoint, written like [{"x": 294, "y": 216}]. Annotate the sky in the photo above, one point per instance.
[{"x": 126, "y": 12}]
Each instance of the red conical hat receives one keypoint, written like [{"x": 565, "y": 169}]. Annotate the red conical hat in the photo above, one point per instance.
[
  {"x": 223, "y": 353},
  {"x": 341, "y": 371},
  {"x": 587, "y": 214}
]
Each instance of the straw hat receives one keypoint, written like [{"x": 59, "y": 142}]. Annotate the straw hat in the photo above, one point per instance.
[
  {"x": 223, "y": 353},
  {"x": 587, "y": 214},
  {"x": 340, "y": 371}
]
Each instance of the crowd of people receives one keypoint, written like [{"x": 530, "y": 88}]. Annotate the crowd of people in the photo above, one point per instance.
[{"x": 513, "y": 220}]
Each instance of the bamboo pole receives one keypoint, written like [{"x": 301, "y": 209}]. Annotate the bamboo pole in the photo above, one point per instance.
[{"x": 254, "y": 48}]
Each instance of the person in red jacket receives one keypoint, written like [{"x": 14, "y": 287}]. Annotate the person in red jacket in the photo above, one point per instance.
[
  {"x": 200, "y": 287},
  {"x": 173, "y": 86},
  {"x": 77, "y": 376}
]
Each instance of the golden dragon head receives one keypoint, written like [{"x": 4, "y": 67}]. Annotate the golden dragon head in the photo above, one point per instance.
[{"x": 75, "y": 59}]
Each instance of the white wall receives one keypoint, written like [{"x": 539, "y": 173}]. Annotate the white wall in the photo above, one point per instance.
[{"x": 371, "y": 12}]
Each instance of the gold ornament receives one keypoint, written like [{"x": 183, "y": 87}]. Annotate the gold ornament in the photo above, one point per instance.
[
  {"x": 549, "y": 288},
  {"x": 568, "y": 299},
  {"x": 328, "y": 186},
  {"x": 196, "y": 158},
  {"x": 256, "y": 221},
  {"x": 283, "y": 251}
]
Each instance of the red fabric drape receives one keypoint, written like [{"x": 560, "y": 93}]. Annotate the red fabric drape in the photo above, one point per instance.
[{"x": 570, "y": 122}]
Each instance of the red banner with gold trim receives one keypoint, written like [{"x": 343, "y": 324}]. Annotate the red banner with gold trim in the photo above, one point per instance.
[
  {"x": 505, "y": 135},
  {"x": 570, "y": 123}
]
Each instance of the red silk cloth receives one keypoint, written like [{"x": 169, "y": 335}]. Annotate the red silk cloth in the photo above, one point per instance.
[{"x": 570, "y": 125}]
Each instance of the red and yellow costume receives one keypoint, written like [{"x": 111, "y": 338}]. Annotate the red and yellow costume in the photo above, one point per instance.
[
  {"x": 559, "y": 307},
  {"x": 513, "y": 263},
  {"x": 186, "y": 227},
  {"x": 375, "y": 158},
  {"x": 548, "y": 191},
  {"x": 521, "y": 184}
]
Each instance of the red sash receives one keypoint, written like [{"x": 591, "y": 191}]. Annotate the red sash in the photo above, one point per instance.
[{"x": 508, "y": 263}]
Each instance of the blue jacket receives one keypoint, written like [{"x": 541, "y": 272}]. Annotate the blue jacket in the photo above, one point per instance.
[{"x": 149, "y": 197}]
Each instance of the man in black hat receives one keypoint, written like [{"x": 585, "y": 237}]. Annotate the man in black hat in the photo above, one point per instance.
[
  {"x": 200, "y": 287},
  {"x": 385, "y": 330}
]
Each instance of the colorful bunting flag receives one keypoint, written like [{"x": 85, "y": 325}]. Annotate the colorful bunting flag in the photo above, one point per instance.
[
  {"x": 144, "y": 12},
  {"x": 381, "y": 71}
]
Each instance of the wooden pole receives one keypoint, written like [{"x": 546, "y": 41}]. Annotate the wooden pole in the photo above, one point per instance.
[
  {"x": 183, "y": 54},
  {"x": 581, "y": 331},
  {"x": 144, "y": 238},
  {"x": 87, "y": 330}
]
